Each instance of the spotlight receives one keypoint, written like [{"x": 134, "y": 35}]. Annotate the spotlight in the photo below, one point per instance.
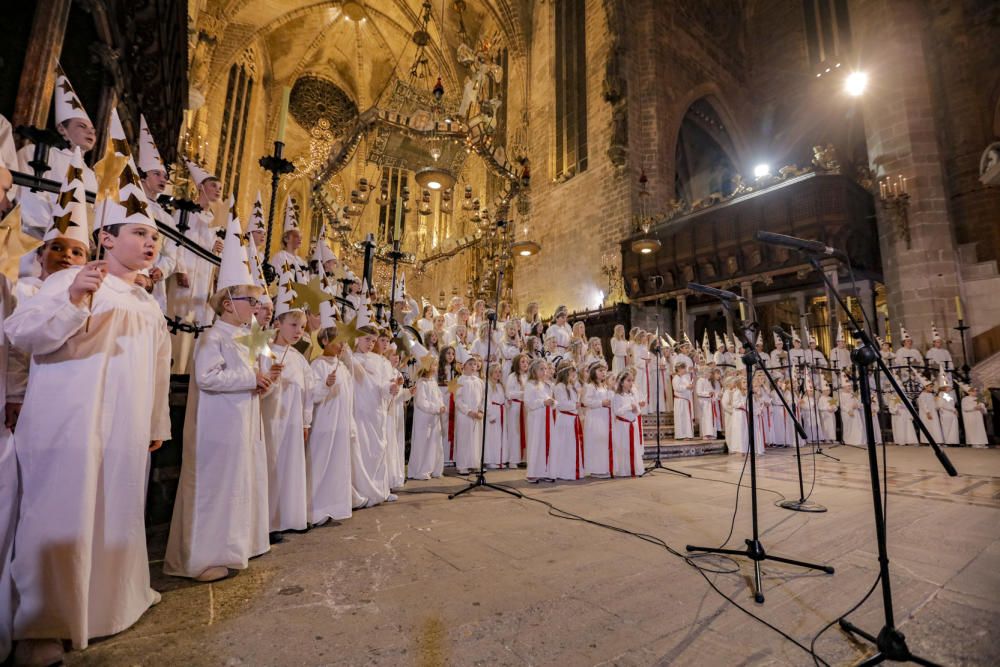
[
  {"x": 855, "y": 83},
  {"x": 761, "y": 170}
]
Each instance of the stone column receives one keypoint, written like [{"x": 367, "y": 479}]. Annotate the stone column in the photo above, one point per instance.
[
  {"x": 680, "y": 323},
  {"x": 902, "y": 137},
  {"x": 832, "y": 307},
  {"x": 38, "y": 78}
]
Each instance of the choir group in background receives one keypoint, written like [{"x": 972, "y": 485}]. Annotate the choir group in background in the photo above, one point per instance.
[{"x": 304, "y": 407}]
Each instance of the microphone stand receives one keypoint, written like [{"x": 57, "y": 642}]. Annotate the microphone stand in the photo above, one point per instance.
[
  {"x": 890, "y": 642},
  {"x": 480, "y": 480},
  {"x": 657, "y": 350},
  {"x": 818, "y": 444},
  {"x": 755, "y": 550}
]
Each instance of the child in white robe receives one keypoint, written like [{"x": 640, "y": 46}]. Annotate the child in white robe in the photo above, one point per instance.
[
  {"x": 627, "y": 429},
  {"x": 729, "y": 388},
  {"x": 426, "y": 458},
  {"x": 517, "y": 431},
  {"x": 330, "y": 441},
  {"x": 619, "y": 350},
  {"x": 973, "y": 414},
  {"x": 594, "y": 352},
  {"x": 598, "y": 446},
  {"x": 566, "y": 460},
  {"x": 538, "y": 409},
  {"x": 827, "y": 408},
  {"x": 927, "y": 407},
  {"x": 496, "y": 418},
  {"x": 469, "y": 418},
  {"x": 706, "y": 405},
  {"x": 375, "y": 385},
  {"x": 903, "y": 432},
  {"x": 287, "y": 411},
  {"x": 102, "y": 355},
  {"x": 850, "y": 416},
  {"x": 395, "y": 424},
  {"x": 738, "y": 433},
  {"x": 948, "y": 413},
  {"x": 447, "y": 373},
  {"x": 683, "y": 407}
]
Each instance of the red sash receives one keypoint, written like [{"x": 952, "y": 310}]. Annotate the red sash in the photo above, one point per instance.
[
  {"x": 646, "y": 369},
  {"x": 631, "y": 441},
  {"x": 548, "y": 424},
  {"x": 521, "y": 419},
  {"x": 690, "y": 409},
  {"x": 451, "y": 426},
  {"x": 578, "y": 433},
  {"x": 611, "y": 446}
]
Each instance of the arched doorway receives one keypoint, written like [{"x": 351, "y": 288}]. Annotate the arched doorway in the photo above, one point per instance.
[{"x": 705, "y": 157}]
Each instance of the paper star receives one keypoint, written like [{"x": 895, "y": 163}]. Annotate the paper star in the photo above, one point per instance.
[
  {"x": 63, "y": 222},
  {"x": 65, "y": 87},
  {"x": 120, "y": 146},
  {"x": 108, "y": 171},
  {"x": 14, "y": 243},
  {"x": 134, "y": 205},
  {"x": 309, "y": 294},
  {"x": 256, "y": 341},
  {"x": 66, "y": 197},
  {"x": 74, "y": 174},
  {"x": 75, "y": 103},
  {"x": 348, "y": 333},
  {"x": 128, "y": 177}
]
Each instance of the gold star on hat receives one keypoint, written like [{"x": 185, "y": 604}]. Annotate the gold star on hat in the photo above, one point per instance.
[
  {"x": 134, "y": 205},
  {"x": 64, "y": 221}
]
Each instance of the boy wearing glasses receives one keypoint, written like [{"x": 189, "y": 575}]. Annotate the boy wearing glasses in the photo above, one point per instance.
[{"x": 220, "y": 516}]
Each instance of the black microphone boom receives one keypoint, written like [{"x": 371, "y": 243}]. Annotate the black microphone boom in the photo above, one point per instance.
[
  {"x": 717, "y": 293},
  {"x": 805, "y": 245},
  {"x": 781, "y": 332}
]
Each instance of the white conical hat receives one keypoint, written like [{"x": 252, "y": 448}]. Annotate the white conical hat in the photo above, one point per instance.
[
  {"x": 291, "y": 216},
  {"x": 69, "y": 219},
  {"x": 149, "y": 156},
  {"x": 327, "y": 314},
  {"x": 116, "y": 134},
  {"x": 760, "y": 339},
  {"x": 198, "y": 175},
  {"x": 256, "y": 223},
  {"x": 687, "y": 341},
  {"x": 795, "y": 335},
  {"x": 777, "y": 338},
  {"x": 719, "y": 343},
  {"x": 256, "y": 264},
  {"x": 67, "y": 103},
  {"x": 284, "y": 296},
  {"x": 840, "y": 332},
  {"x": 322, "y": 252},
  {"x": 130, "y": 205},
  {"x": 234, "y": 269},
  {"x": 704, "y": 339},
  {"x": 934, "y": 333},
  {"x": 400, "y": 289},
  {"x": 364, "y": 317},
  {"x": 904, "y": 335}
]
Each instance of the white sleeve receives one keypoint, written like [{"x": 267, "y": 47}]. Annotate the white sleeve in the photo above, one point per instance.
[{"x": 48, "y": 319}]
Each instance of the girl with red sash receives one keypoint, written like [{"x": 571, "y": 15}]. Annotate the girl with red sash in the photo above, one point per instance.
[
  {"x": 627, "y": 428},
  {"x": 598, "y": 446},
  {"x": 566, "y": 460},
  {"x": 447, "y": 372},
  {"x": 496, "y": 419},
  {"x": 539, "y": 410},
  {"x": 683, "y": 403},
  {"x": 517, "y": 433}
]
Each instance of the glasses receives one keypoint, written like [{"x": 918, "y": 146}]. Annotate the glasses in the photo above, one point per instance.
[{"x": 252, "y": 301}]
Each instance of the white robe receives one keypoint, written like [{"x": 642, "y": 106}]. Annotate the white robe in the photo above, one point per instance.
[
  {"x": 562, "y": 335},
  {"x": 683, "y": 407},
  {"x": 8, "y": 479},
  {"x": 706, "y": 416},
  {"x": 395, "y": 438},
  {"x": 927, "y": 407},
  {"x": 447, "y": 430},
  {"x": 37, "y": 207},
  {"x": 973, "y": 413},
  {"x": 517, "y": 423},
  {"x": 496, "y": 427},
  {"x": 426, "y": 459},
  {"x": 109, "y": 386},
  {"x": 330, "y": 440},
  {"x": 740, "y": 441},
  {"x": 853, "y": 421},
  {"x": 371, "y": 400},
  {"x": 296, "y": 265},
  {"x": 619, "y": 355},
  {"x": 566, "y": 459},
  {"x": 168, "y": 261},
  {"x": 468, "y": 429},
  {"x": 827, "y": 407},
  {"x": 627, "y": 436},
  {"x": 903, "y": 432},
  {"x": 598, "y": 446},
  {"x": 191, "y": 303},
  {"x": 538, "y": 426},
  {"x": 948, "y": 413},
  {"x": 287, "y": 410},
  {"x": 221, "y": 510}
]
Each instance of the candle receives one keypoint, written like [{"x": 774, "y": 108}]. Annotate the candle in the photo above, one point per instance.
[
  {"x": 397, "y": 232},
  {"x": 904, "y": 185},
  {"x": 286, "y": 93},
  {"x": 958, "y": 308},
  {"x": 743, "y": 311}
]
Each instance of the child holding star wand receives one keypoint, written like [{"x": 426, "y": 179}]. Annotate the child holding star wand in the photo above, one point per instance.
[{"x": 220, "y": 516}]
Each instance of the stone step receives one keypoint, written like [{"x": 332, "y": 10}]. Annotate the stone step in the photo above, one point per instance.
[
  {"x": 979, "y": 271},
  {"x": 673, "y": 449}
]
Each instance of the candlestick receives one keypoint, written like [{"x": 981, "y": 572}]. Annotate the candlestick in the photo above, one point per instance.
[
  {"x": 743, "y": 312},
  {"x": 958, "y": 308},
  {"x": 397, "y": 231},
  {"x": 286, "y": 94}
]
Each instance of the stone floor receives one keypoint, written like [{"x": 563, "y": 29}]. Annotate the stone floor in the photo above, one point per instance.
[{"x": 488, "y": 579}]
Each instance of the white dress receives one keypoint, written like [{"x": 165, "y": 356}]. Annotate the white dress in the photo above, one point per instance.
[
  {"x": 111, "y": 383},
  {"x": 190, "y": 303},
  {"x": 948, "y": 413},
  {"x": 903, "y": 432},
  {"x": 740, "y": 427},
  {"x": 395, "y": 438},
  {"x": 517, "y": 424},
  {"x": 727, "y": 416},
  {"x": 706, "y": 406},
  {"x": 627, "y": 436},
  {"x": 8, "y": 475},
  {"x": 927, "y": 407},
  {"x": 296, "y": 265},
  {"x": 538, "y": 426},
  {"x": 168, "y": 261},
  {"x": 598, "y": 446},
  {"x": 683, "y": 408},
  {"x": 827, "y": 408},
  {"x": 426, "y": 459},
  {"x": 328, "y": 462},
  {"x": 468, "y": 429},
  {"x": 496, "y": 427},
  {"x": 221, "y": 511},
  {"x": 566, "y": 460},
  {"x": 447, "y": 428},
  {"x": 850, "y": 415},
  {"x": 973, "y": 413},
  {"x": 370, "y": 473},
  {"x": 287, "y": 410},
  {"x": 619, "y": 355}
]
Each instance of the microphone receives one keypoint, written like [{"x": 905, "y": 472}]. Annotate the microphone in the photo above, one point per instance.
[
  {"x": 725, "y": 295},
  {"x": 785, "y": 336},
  {"x": 805, "y": 245}
]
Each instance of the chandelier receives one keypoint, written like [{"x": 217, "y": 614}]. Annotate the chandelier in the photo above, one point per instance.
[{"x": 647, "y": 243}]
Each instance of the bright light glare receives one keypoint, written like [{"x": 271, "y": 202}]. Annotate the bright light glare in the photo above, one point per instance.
[
  {"x": 646, "y": 251},
  {"x": 761, "y": 170},
  {"x": 856, "y": 83},
  {"x": 433, "y": 185},
  {"x": 525, "y": 253}
]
